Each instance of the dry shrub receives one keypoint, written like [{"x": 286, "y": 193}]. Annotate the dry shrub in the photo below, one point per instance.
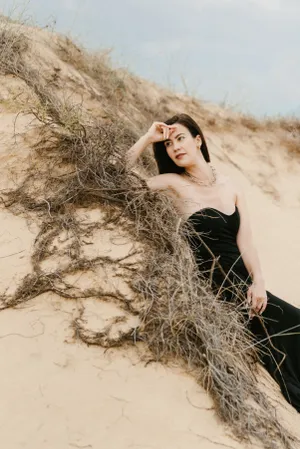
[
  {"x": 292, "y": 140},
  {"x": 83, "y": 164},
  {"x": 12, "y": 45},
  {"x": 211, "y": 123},
  {"x": 287, "y": 129},
  {"x": 288, "y": 124},
  {"x": 289, "y": 133},
  {"x": 292, "y": 144},
  {"x": 229, "y": 123},
  {"x": 119, "y": 91},
  {"x": 97, "y": 65},
  {"x": 251, "y": 123}
]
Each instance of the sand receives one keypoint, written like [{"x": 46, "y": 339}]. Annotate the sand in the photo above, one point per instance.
[{"x": 57, "y": 392}]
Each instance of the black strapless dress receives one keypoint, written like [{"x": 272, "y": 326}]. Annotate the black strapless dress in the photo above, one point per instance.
[{"x": 278, "y": 333}]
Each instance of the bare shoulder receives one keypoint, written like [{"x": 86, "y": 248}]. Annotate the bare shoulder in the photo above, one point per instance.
[
  {"x": 235, "y": 186},
  {"x": 164, "y": 181},
  {"x": 223, "y": 178},
  {"x": 231, "y": 183},
  {"x": 226, "y": 181}
]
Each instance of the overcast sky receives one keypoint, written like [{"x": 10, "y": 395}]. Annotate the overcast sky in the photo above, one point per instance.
[{"x": 241, "y": 52}]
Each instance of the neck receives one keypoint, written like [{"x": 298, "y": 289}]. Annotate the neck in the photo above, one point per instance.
[{"x": 201, "y": 171}]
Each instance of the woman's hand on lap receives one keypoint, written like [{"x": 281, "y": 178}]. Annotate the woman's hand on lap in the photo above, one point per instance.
[{"x": 257, "y": 298}]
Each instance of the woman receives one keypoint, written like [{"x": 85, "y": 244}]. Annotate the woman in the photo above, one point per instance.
[{"x": 216, "y": 207}]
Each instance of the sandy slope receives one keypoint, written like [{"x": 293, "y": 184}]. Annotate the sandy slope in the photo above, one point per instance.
[{"x": 58, "y": 393}]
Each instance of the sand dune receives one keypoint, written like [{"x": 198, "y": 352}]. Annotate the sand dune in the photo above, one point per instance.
[{"x": 56, "y": 390}]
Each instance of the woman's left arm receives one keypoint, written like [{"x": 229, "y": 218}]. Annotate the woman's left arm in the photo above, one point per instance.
[{"x": 257, "y": 292}]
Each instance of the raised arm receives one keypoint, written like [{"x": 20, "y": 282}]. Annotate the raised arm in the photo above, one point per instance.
[
  {"x": 136, "y": 150},
  {"x": 157, "y": 132}
]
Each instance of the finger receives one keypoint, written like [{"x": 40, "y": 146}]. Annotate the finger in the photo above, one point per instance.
[
  {"x": 249, "y": 297},
  {"x": 258, "y": 306},
  {"x": 261, "y": 309},
  {"x": 264, "y": 305},
  {"x": 254, "y": 303},
  {"x": 261, "y": 304}
]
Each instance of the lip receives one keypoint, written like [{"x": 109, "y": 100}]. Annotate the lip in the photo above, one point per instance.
[{"x": 180, "y": 155}]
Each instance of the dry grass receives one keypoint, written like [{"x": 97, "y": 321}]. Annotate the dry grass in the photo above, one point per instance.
[
  {"x": 12, "y": 46},
  {"x": 82, "y": 164},
  {"x": 292, "y": 144},
  {"x": 251, "y": 123},
  {"x": 97, "y": 65},
  {"x": 288, "y": 124},
  {"x": 291, "y": 135},
  {"x": 287, "y": 129}
]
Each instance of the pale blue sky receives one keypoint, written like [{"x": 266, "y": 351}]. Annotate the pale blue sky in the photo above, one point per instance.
[{"x": 246, "y": 53}]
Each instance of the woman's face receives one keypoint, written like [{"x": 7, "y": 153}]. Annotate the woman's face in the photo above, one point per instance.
[{"x": 181, "y": 141}]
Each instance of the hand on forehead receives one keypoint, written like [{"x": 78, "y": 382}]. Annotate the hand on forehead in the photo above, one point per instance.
[{"x": 172, "y": 128}]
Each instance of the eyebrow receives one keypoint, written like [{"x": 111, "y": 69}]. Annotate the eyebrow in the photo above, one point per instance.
[{"x": 168, "y": 140}]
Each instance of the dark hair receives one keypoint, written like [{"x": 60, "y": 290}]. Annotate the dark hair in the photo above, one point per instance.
[{"x": 164, "y": 162}]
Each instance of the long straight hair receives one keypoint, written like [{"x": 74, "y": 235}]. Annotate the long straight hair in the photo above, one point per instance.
[{"x": 164, "y": 162}]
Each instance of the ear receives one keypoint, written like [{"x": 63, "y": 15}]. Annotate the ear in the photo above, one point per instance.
[{"x": 199, "y": 140}]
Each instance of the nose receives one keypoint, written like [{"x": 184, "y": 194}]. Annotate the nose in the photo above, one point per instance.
[{"x": 176, "y": 146}]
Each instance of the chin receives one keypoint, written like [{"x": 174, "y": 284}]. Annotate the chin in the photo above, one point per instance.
[{"x": 182, "y": 165}]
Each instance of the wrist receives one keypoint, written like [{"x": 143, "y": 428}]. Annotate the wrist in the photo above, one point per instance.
[
  {"x": 147, "y": 139},
  {"x": 258, "y": 280}
]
